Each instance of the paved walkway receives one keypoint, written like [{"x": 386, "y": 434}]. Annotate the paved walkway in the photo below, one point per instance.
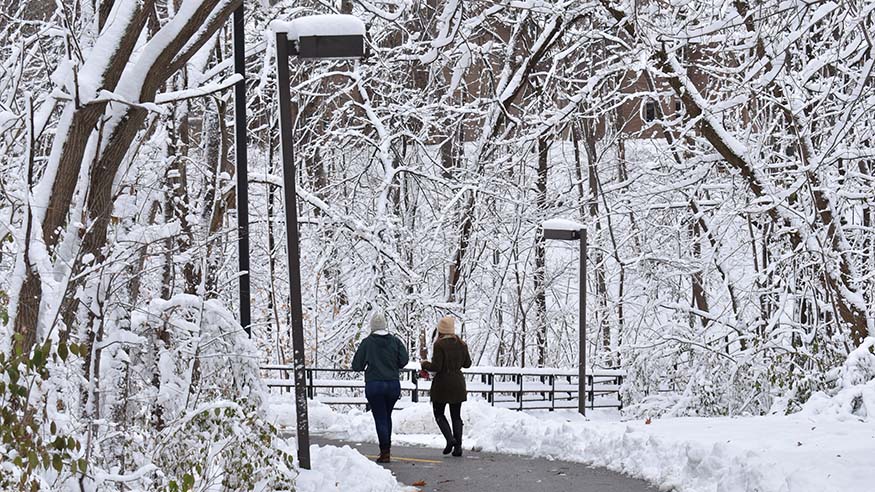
[{"x": 479, "y": 472}]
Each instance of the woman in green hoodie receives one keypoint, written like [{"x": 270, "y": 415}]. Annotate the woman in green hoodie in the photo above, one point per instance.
[{"x": 381, "y": 356}]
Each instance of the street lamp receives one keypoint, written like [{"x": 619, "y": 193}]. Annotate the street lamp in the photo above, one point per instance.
[
  {"x": 313, "y": 37},
  {"x": 241, "y": 160},
  {"x": 568, "y": 230}
]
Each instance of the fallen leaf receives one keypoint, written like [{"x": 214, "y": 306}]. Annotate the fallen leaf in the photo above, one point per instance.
[
  {"x": 647, "y": 421},
  {"x": 420, "y": 483}
]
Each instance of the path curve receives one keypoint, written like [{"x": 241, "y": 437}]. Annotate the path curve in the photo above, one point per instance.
[{"x": 480, "y": 471}]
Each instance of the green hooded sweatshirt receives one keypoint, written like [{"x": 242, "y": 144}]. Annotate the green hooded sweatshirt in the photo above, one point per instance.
[{"x": 380, "y": 356}]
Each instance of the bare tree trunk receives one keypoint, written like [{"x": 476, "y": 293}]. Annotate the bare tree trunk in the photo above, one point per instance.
[
  {"x": 601, "y": 287},
  {"x": 539, "y": 277},
  {"x": 76, "y": 130},
  {"x": 699, "y": 299}
]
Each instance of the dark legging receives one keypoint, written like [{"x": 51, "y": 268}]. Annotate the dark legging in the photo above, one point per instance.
[
  {"x": 455, "y": 411},
  {"x": 382, "y": 396}
]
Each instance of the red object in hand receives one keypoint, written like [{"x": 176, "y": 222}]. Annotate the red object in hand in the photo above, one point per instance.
[{"x": 423, "y": 374}]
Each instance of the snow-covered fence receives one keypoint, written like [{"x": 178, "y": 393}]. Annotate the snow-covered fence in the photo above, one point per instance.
[{"x": 508, "y": 387}]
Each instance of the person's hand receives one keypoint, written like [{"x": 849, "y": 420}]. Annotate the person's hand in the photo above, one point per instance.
[{"x": 423, "y": 353}]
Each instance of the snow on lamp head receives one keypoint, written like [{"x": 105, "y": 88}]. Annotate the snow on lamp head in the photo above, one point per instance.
[
  {"x": 324, "y": 36},
  {"x": 562, "y": 229}
]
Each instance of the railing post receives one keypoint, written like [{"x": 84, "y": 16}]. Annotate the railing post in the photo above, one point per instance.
[
  {"x": 552, "y": 392},
  {"x": 492, "y": 389},
  {"x": 311, "y": 391},
  {"x": 484, "y": 378},
  {"x": 591, "y": 397},
  {"x": 415, "y": 396},
  {"x": 521, "y": 392},
  {"x": 619, "y": 396}
]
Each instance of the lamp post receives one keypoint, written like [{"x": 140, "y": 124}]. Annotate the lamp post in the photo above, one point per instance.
[
  {"x": 566, "y": 230},
  {"x": 314, "y": 37},
  {"x": 242, "y": 171}
]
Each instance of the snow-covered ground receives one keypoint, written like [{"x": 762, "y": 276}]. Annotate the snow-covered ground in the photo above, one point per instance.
[{"x": 797, "y": 453}]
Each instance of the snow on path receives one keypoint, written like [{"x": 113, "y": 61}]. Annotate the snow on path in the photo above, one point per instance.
[
  {"x": 345, "y": 469},
  {"x": 798, "y": 453}
]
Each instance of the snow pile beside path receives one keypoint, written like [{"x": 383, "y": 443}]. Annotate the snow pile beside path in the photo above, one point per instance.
[
  {"x": 345, "y": 469},
  {"x": 855, "y": 398},
  {"x": 798, "y": 453}
]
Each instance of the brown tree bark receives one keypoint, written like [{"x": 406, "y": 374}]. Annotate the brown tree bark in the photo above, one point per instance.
[
  {"x": 539, "y": 277},
  {"x": 83, "y": 120}
]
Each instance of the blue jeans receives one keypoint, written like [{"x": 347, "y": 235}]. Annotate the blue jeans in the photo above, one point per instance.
[{"x": 382, "y": 396}]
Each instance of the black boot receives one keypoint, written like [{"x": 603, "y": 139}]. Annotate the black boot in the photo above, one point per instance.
[
  {"x": 457, "y": 437},
  {"x": 444, "y": 426}
]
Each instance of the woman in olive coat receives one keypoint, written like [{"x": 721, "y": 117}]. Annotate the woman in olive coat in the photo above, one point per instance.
[{"x": 449, "y": 356}]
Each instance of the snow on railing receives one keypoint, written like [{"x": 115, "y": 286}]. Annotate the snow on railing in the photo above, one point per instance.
[{"x": 519, "y": 388}]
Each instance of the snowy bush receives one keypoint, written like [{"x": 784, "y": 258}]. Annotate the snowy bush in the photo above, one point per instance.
[
  {"x": 854, "y": 394},
  {"x": 35, "y": 448},
  {"x": 198, "y": 420}
]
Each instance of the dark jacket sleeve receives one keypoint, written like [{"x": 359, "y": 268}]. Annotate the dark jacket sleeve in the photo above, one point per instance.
[
  {"x": 437, "y": 360},
  {"x": 360, "y": 359},
  {"x": 403, "y": 356},
  {"x": 467, "y": 362}
]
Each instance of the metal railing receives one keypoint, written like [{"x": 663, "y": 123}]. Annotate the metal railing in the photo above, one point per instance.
[{"x": 508, "y": 387}]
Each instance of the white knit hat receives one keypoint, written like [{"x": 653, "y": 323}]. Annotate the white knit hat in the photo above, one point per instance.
[
  {"x": 447, "y": 325},
  {"x": 378, "y": 322}
]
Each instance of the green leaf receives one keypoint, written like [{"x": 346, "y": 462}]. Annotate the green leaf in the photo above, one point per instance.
[
  {"x": 36, "y": 360},
  {"x": 63, "y": 352},
  {"x": 57, "y": 464},
  {"x": 83, "y": 465},
  {"x": 187, "y": 482}
]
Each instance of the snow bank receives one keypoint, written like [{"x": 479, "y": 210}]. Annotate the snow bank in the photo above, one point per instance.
[
  {"x": 344, "y": 469},
  {"x": 320, "y": 25},
  {"x": 796, "y": 453}
]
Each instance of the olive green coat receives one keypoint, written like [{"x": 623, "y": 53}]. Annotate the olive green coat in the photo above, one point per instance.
[{"x": 449, "y": 357}]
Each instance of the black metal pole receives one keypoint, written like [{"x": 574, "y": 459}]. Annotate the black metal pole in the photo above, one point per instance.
[
  {"x": 242, "y": 171},
  {"x": 288, "y": 153},
  {"x": 581, "y": 375}
]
